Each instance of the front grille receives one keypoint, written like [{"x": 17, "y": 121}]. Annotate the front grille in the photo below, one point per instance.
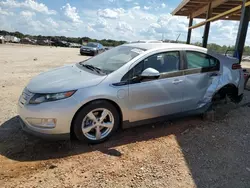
[
  {"x": 86, "y": 49},
  {"x": 25, "y": 97}
]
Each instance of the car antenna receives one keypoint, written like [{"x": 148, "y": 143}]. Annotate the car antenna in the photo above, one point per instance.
[{"x": 178, "y": 37}]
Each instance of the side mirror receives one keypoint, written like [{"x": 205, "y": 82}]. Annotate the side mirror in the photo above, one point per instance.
[{"x": 150, "y": 73}]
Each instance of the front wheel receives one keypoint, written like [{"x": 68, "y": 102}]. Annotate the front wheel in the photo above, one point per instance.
[{"x": 96, "y": 122}]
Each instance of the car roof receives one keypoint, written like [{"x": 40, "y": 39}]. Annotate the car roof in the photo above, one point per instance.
[
  {"x": 146, "y": 41},
  {"x": 149, "y": 46}
]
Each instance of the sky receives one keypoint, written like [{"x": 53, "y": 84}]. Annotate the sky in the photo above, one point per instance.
[{"x": 111, "y": 19}]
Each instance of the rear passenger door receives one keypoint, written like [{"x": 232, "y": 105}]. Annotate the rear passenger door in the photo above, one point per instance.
[{"x": 201, "y": 79}]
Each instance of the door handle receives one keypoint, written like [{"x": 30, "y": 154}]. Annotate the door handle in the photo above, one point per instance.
[{"x": 177, "y": 81}]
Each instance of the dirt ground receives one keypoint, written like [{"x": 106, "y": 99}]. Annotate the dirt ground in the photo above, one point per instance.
[{"x": 187, "y": 152}]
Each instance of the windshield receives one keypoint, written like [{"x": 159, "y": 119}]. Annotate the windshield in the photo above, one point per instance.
[
  {"x": 113, "y": 59},
  {"x": 92, "y": 45}
]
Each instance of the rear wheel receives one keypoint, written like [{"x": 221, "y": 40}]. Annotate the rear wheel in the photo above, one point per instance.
[
  {"x": 228, "y": 91},
  {"x": 96, "y": 122}
]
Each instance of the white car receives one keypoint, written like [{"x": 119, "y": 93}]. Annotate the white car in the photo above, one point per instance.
[{"x": 125, "y": 86}]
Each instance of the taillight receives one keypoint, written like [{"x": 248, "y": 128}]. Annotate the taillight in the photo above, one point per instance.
[{"x": 236, "y": 66}]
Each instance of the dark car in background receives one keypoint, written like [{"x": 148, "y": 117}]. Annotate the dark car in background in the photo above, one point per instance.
[
  {"x": 60, "y": 43},
  {"x": 92, "y": 48}
]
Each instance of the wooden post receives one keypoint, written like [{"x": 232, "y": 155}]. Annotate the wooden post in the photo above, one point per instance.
[
  {"x": 189, "y": 30},
  {"x": 207, "y": 26},
  {"x": 242, "y": 31}
]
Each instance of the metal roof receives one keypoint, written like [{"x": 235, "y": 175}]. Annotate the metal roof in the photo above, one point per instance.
[{"x": 198, "y": 8}]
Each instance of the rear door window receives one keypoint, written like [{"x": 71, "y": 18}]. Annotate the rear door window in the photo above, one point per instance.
[{"x": 201, "y": 60}]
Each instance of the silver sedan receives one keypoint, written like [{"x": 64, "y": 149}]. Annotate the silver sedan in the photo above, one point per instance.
[{"x": 128, "y": 85}]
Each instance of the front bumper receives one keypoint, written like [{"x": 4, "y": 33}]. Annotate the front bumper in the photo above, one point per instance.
[
  {"x": 26, "y": 128},
  {"x": 87, "y": 52},
  {"x": 62, "y": 111}
]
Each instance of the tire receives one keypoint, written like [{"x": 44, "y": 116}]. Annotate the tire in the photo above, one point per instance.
[
  {"x": 84, "y": 121},
  {"x": 236, "y": 98}
]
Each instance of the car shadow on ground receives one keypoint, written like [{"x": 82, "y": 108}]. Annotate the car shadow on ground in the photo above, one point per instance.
[
  {"x": 214, "y": 152},
  {"x": 86, "y": 55},
  {"x": 20, "y": 146}
]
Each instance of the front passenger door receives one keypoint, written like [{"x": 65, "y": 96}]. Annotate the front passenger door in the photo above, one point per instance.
[{"x": 157, "y": 97}]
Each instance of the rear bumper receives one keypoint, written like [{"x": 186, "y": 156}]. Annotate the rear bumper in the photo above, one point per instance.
[
  {"x": 242, "y": 82},
  {"x": 26, "y": 128}
]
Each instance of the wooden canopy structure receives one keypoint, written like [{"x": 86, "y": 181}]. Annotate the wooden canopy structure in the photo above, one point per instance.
[
  {"x": 212, "y": 10},
  {"x": 198, "y": 8}
]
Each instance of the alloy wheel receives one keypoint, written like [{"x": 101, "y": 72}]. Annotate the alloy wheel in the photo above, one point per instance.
[{"x": 97, "y": 124}]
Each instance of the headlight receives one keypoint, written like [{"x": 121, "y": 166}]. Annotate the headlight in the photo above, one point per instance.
[{"x": 40, "y": 98}]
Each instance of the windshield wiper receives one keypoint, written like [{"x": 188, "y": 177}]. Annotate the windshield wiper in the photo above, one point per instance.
[{"x": 91, "y": 67}]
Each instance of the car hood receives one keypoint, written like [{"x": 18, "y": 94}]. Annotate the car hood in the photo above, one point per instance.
[{"x": 66, "y": 78}]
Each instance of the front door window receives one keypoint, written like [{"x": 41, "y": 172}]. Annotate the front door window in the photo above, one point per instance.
[{"x": 163, "y": 62}]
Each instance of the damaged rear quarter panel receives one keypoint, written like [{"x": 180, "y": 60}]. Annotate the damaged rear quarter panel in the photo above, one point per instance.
[
  {"x": 226, "y": 76},
  {"x": 200, "y": 89},
  {"x": 210, "y": 91}
]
